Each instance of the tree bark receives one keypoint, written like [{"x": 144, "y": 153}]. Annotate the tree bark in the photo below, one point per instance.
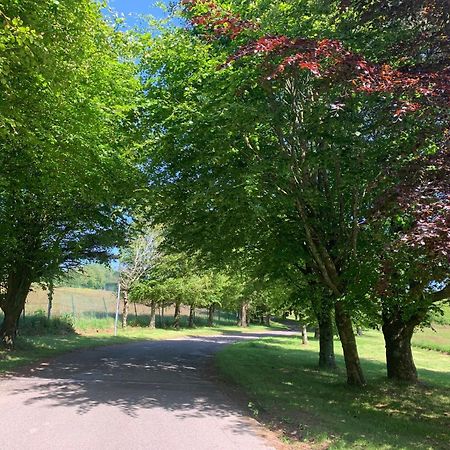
[
  {"x": 125, "y": 308},
  {"x": 152, "y": 323},
  {"x": 191, "y": 316},
  {"x": 304, "y": 335},
  {"x": 397, "y": 337},
  {"x": 51, "y": 291},
  {"x": 18, "y": 286},
  {"x": 355, "y": 376},
  {"x": 176, "y": 316},
  {"x": 211, "y": 310},
  {"x": 267, "y": 320},
  {"x": 327, "y": 360},
  {"x": 243, "y": 315}
]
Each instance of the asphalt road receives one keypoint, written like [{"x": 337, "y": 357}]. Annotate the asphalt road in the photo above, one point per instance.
[{"x": 146, "y": 395}]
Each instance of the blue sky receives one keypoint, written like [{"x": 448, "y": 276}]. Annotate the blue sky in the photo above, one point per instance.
[{"x": 132, "y": 9}]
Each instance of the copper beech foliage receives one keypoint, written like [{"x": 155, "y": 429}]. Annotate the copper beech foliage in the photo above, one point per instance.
[
  {"x": 323, "y": 58},
  {"x": 426, "y": 194},
  {"x": 216, "y": 20}
]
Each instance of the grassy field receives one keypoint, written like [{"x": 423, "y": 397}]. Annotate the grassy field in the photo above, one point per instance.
[
  {"x": 436, "y": 338},
  {"x": 77, "y": 302},
  {"x": 93, "y": 309},
  {"x": 285, "y": 388}
]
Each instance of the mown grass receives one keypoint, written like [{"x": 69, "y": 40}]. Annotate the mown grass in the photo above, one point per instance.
[{"x": 284, "y": 386}]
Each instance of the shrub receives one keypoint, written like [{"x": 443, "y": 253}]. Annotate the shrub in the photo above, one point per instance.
[{"x": 38, "y": 324}]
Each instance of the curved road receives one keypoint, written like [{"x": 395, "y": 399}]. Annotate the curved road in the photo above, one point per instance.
[{"x": 146, "y": 395}]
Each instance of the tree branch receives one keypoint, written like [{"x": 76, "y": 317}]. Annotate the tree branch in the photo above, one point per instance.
[{"x": 443, "y": 294}]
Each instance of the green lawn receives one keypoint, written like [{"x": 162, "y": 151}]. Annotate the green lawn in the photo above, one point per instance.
[{"x": 285, "y": 387}]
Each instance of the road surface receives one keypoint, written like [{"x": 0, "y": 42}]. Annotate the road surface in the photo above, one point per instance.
[{"x": 146, "y": 395}]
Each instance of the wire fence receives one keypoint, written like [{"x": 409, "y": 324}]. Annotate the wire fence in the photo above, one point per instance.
[{"x": 82, "y": 304}]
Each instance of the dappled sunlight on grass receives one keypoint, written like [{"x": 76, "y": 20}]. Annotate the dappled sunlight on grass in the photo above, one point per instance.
[{"x": 282, "y": 380}]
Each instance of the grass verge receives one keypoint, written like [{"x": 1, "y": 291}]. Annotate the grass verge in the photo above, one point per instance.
[{"x": 285, "y": 389}]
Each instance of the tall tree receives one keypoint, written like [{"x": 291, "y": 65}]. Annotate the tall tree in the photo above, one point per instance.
[
  {"x": 291, "y": 129},
  {"x": 67, "y": 167},
  {"x": 136, "y": 262}
]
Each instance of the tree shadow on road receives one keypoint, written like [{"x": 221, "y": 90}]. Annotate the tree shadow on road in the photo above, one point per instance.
[{"x": 170, "y": 375}]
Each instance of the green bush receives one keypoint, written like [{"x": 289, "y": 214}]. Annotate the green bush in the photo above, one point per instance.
[{"x": 39, "y": 325}]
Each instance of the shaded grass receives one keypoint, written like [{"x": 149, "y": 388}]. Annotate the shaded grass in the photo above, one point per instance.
[
  {"x": 31, "y": 349},
  {"x": 284, "y": 386}
]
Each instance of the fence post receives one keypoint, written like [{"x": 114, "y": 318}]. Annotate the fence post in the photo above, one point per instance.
[{"x": 117, "y": 309}]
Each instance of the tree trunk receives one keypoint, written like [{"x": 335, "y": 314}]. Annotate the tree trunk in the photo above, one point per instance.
[
  {"x": 19, "y": 283},
  {"x": 243, "y": 315},
  {"x": 211, "y": 310},
  {"x": 125, "y": 308},
  {"x": 176, "y": 316},
  {"x": 152, "y": 323},
  {"x": 355, "y": 376},
  {"x": 304, "y": 335},
  {"x": 267, "y": 320},
  {"x": 326, "y": 341},
  {"x": 163, "y": 325},
  {"x": 191, "y": 316},
  {"x": 51, "y": 291},
  {"x": 399, "y": 358},
  {"x": 317, "y": 333}
]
